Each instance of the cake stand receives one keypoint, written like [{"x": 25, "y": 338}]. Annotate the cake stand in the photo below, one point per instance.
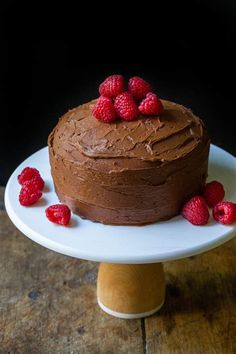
[{"x": 131, "y": 281}]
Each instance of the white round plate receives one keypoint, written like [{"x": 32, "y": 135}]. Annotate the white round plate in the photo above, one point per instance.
[{"x": 162, "y": 241}]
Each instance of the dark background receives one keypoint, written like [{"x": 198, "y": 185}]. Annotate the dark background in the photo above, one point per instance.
[{"x": 53, "y": 58}]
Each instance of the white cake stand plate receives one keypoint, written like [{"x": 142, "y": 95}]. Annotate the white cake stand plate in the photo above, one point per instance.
[{"x": 131, "y": 280}]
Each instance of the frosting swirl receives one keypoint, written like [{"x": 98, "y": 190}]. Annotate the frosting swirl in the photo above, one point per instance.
[
  {"x": 128, "y": 172},
  {"x": 176, "y": 133}
]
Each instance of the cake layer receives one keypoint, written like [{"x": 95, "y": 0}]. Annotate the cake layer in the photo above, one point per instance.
[{"x": 128, "y": 172}]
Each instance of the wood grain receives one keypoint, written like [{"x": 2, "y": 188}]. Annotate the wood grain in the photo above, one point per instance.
[
  {"x": 48, "y": 305},
  {"x": 199, "y": 315}
]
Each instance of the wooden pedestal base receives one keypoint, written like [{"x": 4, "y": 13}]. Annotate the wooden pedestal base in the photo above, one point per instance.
[{"x": 131, "y": 290}]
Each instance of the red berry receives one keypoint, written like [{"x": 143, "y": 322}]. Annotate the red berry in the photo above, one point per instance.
[
  {"x": 58, "y": 213},
  {"x": 225, "y": 212},
  {"x": 213, "y": 193},
  {"x": 27, "y": 174},
  {"x": 151, "y": 105},
  {"x": 104, "y": 110},
  {"x": 138, "y": 87},
  {"x": 196, "y": 211},
  {"x": 36, "y": 183},
  {"x": 126, "y": 107},
  {"x": 112, "y": 86},
  {"x": 29, "y": 195}
]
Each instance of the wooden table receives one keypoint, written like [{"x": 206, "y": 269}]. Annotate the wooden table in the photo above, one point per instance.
[{"x": 48, "y": 304}]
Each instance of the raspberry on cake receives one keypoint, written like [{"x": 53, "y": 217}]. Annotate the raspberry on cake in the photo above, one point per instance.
[
  {"x": 129, "y": 172},
  {"x": 151, "y": 105},
  {"x": 138, "y": 87},
  {"x": 112, "y": 86},
  {"x": 126, "y": 107},
  {"x": 104, "y": 110}
]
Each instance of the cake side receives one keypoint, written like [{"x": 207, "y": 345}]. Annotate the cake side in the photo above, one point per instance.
[{"x": 128, "y": 172}]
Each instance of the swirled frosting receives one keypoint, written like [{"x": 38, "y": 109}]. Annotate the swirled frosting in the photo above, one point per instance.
[{"x": 95, "y": 165}]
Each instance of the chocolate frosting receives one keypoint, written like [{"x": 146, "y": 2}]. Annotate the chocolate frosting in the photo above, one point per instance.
[{"x": 128, "y": 172}]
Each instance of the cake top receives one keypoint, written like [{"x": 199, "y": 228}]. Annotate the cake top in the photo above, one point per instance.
[{"x": 162, "y": 138}]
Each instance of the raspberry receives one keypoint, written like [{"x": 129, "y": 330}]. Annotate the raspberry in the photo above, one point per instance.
[
  {"x": 126, "y": 107},
  {"x": 58, "y": 213},
  {"x": 151, "y": 105},
  {"x": 104, "y": 110},
  {"x": 196, "y": 211},
  {"x": 29, "y": 195},
  {"x": 27, "y": 174},
  {"x": 138, "y": 87},
  {"x": 36, "y": 183},
  {"x": 112, "y": 86},
  {"x": 225, "y": 212},
  {"x": 213, "y": 193}
]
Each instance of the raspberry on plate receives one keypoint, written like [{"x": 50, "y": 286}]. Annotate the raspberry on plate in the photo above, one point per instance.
[
  {"x": 138, "y": 87},
  {"x": 126, "y": 107},
  {"x": 104, "y": 110},
  {"x": 196, "y": 211},
  {"x": 26, "y": 174},
  {"x": 151, "y": 105},
  {"x": 225, "y": 212},
  {"x": 59, "y": 214},
  {"x": 29, "y": 195},
  {"x": 213, "y": 193},
  {"x": 112, "y": 86},
  {"x": 36, "y": 183}
]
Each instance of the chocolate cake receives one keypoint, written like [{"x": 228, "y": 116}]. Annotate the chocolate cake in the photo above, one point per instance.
[{"x": 128, "y": 173}]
